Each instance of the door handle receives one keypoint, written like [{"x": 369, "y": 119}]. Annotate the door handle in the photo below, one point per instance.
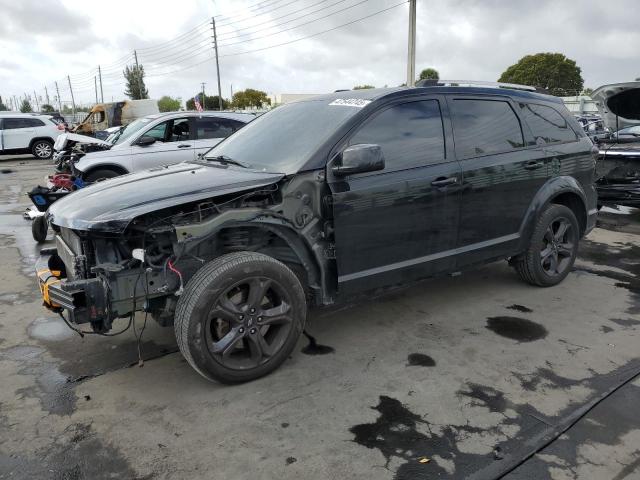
[
  {"x": 534, "y": 165},
  {"x": 184, "y": 146},
  {"x": 443, "y": 182}
]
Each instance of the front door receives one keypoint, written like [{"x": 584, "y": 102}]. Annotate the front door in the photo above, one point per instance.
[
  {"x": 401, "y": 222},
  {"x": 503, "y": 167},
  {"x": 174, "y": 144}
]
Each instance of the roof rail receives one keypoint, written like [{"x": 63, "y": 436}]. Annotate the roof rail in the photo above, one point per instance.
[{"x": 472, "y": 83}]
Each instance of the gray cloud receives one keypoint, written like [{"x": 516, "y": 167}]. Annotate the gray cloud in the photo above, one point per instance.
[{"x": 469, "y": 39}]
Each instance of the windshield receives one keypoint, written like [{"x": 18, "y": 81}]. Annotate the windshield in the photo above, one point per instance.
[
  {"x": 282, "y": 140},
  {"x": 129, "y": 130}
]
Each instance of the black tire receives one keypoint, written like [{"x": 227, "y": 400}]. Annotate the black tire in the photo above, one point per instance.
[
  {"x": 550, "y": 245},
  {"x": 100, "y": 174},
  {"x": 42, "y": 149},
  {"x": 39, "y": 227},
  {"x": 217, "y": 331}
]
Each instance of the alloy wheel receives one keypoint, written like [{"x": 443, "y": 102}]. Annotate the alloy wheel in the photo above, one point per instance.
[
  {"x": 43, "y": 150},
  {"x": 558, "y": 245},
  {"x": 249, "y": 323}
]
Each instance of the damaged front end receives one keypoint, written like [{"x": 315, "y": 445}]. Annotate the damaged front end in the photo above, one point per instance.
[{"x": 108, "y": 264}]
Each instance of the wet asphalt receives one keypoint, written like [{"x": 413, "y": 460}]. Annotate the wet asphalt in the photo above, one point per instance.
[{"x": 477, "y": 376}]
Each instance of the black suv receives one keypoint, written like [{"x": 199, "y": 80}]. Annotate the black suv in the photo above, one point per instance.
[{"x": 315, "y": 202}]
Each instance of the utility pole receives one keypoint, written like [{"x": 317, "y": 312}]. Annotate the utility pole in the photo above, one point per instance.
[
  {"x": 59, "y": 101},
  {"x": 411, "y": 58},
  {"x": 35, "y": 96},
  {"x": 215, "y": 46},
  {"x": 204, "y": 107},
  {"x": 46, "y": 94},
  {"x": 100, "y": 77},
  {"x": 73, "y": 101},
  {"x": 138, "y": 76},
  {"x": 95, "y": 85}
]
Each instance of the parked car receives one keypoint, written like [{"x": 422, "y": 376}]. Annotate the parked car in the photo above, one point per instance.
[
  {"x": 155, "y": 140},
  {"x": 318, "y": 201},
  {"x": 28, "y": 133},
  {"x": 618, "y": 169}
]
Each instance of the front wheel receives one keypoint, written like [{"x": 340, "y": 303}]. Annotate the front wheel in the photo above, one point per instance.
[
  {"x": 100, "y": 175},
  {"x": 240, "y": 317},
  {"x": 553, "y": 248}
]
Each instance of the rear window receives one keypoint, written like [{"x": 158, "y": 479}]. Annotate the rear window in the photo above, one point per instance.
[
  {"x": 547, "y": 124},
  {"x": 13, "y": 123},
  {"x": 483, "y": 127}
]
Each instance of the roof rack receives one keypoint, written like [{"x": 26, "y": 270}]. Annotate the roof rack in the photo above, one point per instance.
[{"x": 473, "y": 83}]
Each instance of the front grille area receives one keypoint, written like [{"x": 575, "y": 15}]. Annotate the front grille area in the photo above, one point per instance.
[{"x": 70, "y": 252}]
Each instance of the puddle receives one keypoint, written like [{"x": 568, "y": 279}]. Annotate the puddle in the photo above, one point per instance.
[
  {"x": 519, "y": 329},
  {"x": 49, "y": 329},
  {"x": 420, "y": 360},
  {"x": 605, "y": 329},
  {"x": 6, "y": 170},
  {"x": 625, "y": 322},
  {"x": 520, "y": 308},
  {"x": 313, "y": 348}
]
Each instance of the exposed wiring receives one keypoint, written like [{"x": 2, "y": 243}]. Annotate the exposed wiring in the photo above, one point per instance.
[
  {"x": 177, "y": 272},
  {"x": 82, "y": 333}
]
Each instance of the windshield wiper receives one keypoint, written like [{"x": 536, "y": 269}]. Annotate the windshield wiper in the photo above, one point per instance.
[{"x": 226, "y": 160}]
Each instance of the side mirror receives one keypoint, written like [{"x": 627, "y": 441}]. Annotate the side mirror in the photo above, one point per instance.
[
  {"x": 359, "y": 159},
  {"x": 146, "y": 140}
]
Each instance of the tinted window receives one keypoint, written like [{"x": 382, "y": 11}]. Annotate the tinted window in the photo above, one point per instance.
[
  {"x": 212, "y": 127},
  {"x": 179, "y": 130},
  {"x": 35, "y": 122},
  {"x": 13, "y": 123},
  {"x": 410, "y": 134},
  {"x": 547, "y": 125},
  {"x": 483, "y": 127}
]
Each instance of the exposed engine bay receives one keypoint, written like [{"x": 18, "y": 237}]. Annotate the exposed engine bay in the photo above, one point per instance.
[{"x": 111, "y": 275}]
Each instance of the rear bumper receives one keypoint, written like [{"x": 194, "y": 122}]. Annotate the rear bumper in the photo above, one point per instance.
[{"x": 85, "y": 301}]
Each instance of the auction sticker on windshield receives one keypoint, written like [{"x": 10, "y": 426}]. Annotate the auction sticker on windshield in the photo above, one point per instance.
[{"x": 351, "y": 102}]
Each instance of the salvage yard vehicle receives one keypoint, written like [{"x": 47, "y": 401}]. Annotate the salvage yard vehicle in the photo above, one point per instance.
[
  {"x": 618, "y": 169},
  {"x": 316, "y": 202},
  {"x": 116, "y": 114},
  {"x": 28, "y": 133},
  {"x": 155, "y": 140}
]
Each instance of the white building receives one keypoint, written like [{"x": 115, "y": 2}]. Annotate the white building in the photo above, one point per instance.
[{"x": 580, "y": 104}]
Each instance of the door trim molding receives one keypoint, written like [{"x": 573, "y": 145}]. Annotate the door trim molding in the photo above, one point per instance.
[{"x": 427, "y": 258}]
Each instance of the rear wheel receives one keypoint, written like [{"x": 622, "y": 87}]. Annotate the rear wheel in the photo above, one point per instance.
[
  {"x": 42, "y": 149},
  {"x": 553, "y": 248},
  {"x": 99, "y": 175},
  {"x": 39, "y": 228},
  {"x": 240, "y": 317}
]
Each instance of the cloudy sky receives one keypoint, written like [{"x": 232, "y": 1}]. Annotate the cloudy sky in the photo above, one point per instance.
[{"x": 44, "y": 41}]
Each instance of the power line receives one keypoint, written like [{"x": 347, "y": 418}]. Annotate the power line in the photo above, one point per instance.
[{"x": 259, "y": 14}]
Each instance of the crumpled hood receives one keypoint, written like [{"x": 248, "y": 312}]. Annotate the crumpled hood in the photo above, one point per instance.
[
  {"x": 111, "y": 205},
  {"x": 618, "y": 99},
  {"x": 64, "y": 141}
]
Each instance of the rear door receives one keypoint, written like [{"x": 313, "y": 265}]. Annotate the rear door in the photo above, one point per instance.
[
  {"x": 17, "y": 133},
  {"x": 174, "y": 144},
  {"x": 502, "y": 168},
  {"x": 401, "y": 222},
  {"x": 209, "y": 131}
]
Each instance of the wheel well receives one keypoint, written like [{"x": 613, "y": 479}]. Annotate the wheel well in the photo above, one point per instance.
[
  {"x": 34, "y": 140},
  {"x": 282, "y": 246},
  {"x": 115, "y": 168},
  {"x": 577, "y": 206}
]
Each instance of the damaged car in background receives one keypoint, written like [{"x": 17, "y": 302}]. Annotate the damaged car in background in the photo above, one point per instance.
[
  {"x": 316, "y": 202},
  {"x": 618, "y": 167}
]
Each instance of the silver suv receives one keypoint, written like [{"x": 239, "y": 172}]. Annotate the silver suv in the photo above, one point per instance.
[
  {"x": 160, "y": 139},
  {"x": 28, "y": 132}
]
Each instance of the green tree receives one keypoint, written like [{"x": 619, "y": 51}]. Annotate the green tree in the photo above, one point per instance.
[
  {"x": 362, "y": 87},
  {"x": 587, "y": 91},
  {"x": 211, "y": 102},
  {"x": 553, "y": 72},
  {"x": 169, "y": 104},
  {"x": 46, "y": 108},
  {"x": 25, "y": 107},
  {"x": 250, "y": 98},
  {"x": 134, "y": 76},
  {"x": 429, "y": 74},
  {"x": 3, "y": 107}
]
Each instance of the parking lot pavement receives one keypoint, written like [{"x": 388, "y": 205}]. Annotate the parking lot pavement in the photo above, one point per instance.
[{"x": 471, "y": 376}]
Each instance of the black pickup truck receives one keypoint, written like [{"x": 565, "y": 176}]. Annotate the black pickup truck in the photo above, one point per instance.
[{"x": 319, "y": 201}]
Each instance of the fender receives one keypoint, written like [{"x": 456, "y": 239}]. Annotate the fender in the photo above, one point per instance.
[
  {"x": 551, "y": 189},
  {"x": 309, "y": 252},
  {"x": 106, "y": 166}
]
